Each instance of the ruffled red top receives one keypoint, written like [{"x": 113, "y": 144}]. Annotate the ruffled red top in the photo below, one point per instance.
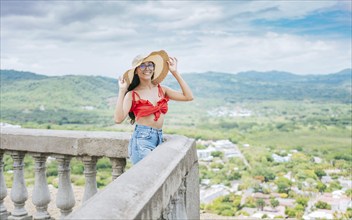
[{"x": 142, "y": 108}]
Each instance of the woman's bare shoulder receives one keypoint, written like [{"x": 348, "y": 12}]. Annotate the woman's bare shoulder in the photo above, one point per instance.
[{"x": 129, "y": 94}]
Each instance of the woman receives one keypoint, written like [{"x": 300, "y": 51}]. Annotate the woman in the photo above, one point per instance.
[{"x": 145, "y": 101}]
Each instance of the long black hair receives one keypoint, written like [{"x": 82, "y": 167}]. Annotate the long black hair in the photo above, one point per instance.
[{"x": 135, "y": 82}]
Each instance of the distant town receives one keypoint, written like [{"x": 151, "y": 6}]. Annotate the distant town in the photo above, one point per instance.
[
  {"x": 230, "y": 186},
  {"x": 266, "y": 199}
]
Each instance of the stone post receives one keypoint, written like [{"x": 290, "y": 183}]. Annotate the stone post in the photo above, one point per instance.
[
  {"x": 65, "y": 199},
  {"x": 3, "y": 191},
  {"x": 41, "y": 194},
  {"x": 118, "y": 167},
  {"x": 90, "y": 173},
  {"x": 19, "y": 194}
]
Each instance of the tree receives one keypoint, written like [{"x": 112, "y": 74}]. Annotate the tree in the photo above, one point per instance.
[
  {"x": 283, "y": 184},
  {"x": 349, "y": 192},
  {"x": 260, "y": 203},
  {"x": 302, "y": 201},
  {"x": 335, "y": 185},
  {"x": 274, "y": 203},
  {"x": 265, "y": 172},
  {"x": 321, "y": 187},
  {"x": 320, "y": 173}
]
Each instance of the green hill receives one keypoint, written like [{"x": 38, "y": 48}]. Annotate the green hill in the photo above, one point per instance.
[
  {"x": 78, "y": 99},
  {"x": 273, "y": 85},
  {"x": 12, "y": 75}
]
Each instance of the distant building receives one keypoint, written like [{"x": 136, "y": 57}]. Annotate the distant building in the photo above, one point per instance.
[
  {"x": 234, "y": 185},
  {"x": 332, "y": 171},
  {"x": 345, "y": 183},
  {"x": 338, "y": 201},
  {"x": 287, "y": 202},
  {"x": 205, "y": 143},
  {"x": 317, "y": 160},
  {"x": 280, "y": 159},
  {"x": 205, "y": 182},
  {"x": 228, "y": 148},
  {"x": 289, "y": 176},
  {"x": 41, "y": 108},
  {"x": 88, "y": 107},
  {"x": 228, "y": 153},
  {"x": 6, "y": 125},
  {"x": 326, "y": 179},
  {"x": 224, "y": 144},
  {"x": 205, "y": 154},
  {"x": 261, "y": 196},
  {"x": 319, "y": 214}
]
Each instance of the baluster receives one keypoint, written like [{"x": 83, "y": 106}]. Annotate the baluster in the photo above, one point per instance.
[
  {"x": 65, "y": 199},
  {"x": 118, "y": 167},
  {"x": 3, "y": 191},
  {"x": 90, "y": 173},
  {"x": 41, "y": 194},
  {"x": 19, "y": 194}
]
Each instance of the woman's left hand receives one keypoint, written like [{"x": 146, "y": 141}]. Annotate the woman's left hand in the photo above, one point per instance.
[{"x": 172, "y": 64}]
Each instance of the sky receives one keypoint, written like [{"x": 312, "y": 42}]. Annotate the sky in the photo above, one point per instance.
[{"x": 102, "y": 37}]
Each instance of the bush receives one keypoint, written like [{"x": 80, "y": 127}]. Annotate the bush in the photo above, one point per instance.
[
  {"x": 322, "y": 205},
  {"x": 79, "y": 181},
  {"x": 290, "y": 212},
  {"x": 55, "y": 182},
  {"x": 51, "y": 169},
  {"x": 241, "y": 212},
  {"x": 200, "y": 147},
  {"x": 227, "y": 212},
  {"x": 29, "y": 181},
  {"x": 103, "y": 163},
  {"x": 77, "y": 169},
  {"x": 217, "y": 154}
]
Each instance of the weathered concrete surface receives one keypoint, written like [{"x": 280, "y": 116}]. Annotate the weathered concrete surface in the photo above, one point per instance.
[
  {"x": 75, "y": 143},
  {"x": 144, "y": 192},
  {"x": 192, "y": 191}
]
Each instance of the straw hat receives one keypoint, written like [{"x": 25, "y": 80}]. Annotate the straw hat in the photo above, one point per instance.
[{"x": 161, "y": 69}]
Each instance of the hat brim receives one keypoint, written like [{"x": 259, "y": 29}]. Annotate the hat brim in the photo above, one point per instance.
[{"x": 159, "y": 58}]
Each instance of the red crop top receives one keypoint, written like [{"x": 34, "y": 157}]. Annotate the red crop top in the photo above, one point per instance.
[{"x": 142, "y": 108}]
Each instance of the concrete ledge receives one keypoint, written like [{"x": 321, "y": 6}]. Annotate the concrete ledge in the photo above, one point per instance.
[
  {"x": 75, "y": 143},
  {"x": 145, "y": 190}
]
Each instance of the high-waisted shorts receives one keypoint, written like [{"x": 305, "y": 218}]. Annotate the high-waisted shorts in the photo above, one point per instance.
[{"x": 143, "y": 141}]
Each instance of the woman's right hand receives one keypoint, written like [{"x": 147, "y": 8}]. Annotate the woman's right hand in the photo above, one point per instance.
[{"x": 123, "y": 86}]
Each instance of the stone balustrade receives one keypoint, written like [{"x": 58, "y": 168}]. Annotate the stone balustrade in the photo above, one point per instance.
[
  {"x": 162, "y": 186},
  {"x": 63, "y": 146}
]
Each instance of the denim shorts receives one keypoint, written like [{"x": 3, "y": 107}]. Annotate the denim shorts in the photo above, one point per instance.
[{"x": 143, "y": 141}]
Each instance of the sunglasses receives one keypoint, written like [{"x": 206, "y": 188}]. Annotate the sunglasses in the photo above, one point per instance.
[{"x": 143, "y": 66}]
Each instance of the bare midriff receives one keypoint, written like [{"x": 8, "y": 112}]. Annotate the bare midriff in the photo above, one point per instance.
[{"x": 149, "y": 121}]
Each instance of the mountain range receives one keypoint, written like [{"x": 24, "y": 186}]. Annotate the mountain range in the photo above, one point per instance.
[
  {"x": 31, "y": 93},
  {"x": 274, "y": 85}
]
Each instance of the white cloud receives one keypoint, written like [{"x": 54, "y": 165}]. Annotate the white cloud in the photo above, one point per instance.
[
  {"x": 271, "y": 52},
  {"x": 93, "y": 37}
]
